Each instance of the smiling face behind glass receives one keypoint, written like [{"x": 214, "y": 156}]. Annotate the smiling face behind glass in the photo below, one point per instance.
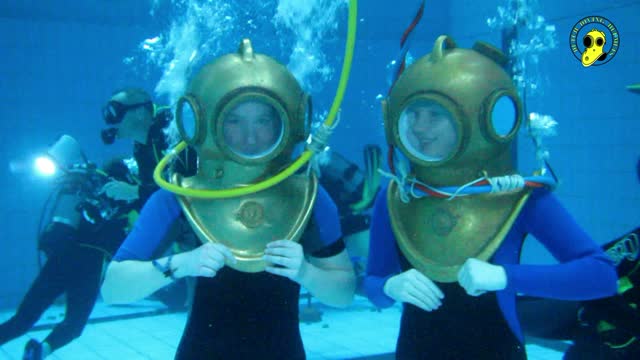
[
  {"x": 252, "y": 128},
  {"x": 430, "y": 130}
]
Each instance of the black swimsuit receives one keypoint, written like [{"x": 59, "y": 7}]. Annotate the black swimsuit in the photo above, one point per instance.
[
  {"x": 464, "y": 327},
  {"x": 237, "y": 315}
]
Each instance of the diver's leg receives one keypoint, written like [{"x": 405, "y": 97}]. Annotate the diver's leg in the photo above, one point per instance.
[
  {"x": 44, "y": 290},
  {"x": 82, "y": 290}
]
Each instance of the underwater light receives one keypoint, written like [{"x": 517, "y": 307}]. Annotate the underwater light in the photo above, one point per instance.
[
  {"x": 64, "y": 155},
  {"x": 45, "y": 166}
]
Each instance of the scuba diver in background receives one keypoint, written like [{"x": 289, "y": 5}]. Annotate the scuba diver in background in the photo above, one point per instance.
[
  {"x": 130, "y": 114},
  {"x": 243, "y": 113},
  {"x": 354, "y": 191},
  {"x": 607, "y": 328},
  {"x": 446, "y": 234},
  {"x": 79, "y": 228}
]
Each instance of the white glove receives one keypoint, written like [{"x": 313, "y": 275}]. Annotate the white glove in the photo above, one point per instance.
[
  {"x": 205, "y": 260},
  {"x": 290, "y": 258},
  {"x": 477, "y": 277},
  {"x": 413, "y": 287}
]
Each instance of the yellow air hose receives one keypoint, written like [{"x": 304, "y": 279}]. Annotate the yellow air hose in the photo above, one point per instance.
[{"x": 304, "y": 157}]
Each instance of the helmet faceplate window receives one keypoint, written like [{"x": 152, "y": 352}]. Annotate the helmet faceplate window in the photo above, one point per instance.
[
  {"x": 252, "y": 129},
  {"x": 428, "y": 131}
]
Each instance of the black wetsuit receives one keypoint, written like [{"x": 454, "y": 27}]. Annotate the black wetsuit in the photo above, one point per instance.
[
  {"x": 477, "y": 320},
  {"x": 75, "y": 258},
  {"x": 74, "y": 268},
  {"x": 247, "y": 315},
  {"x": 602, "y": 329},
  {"x": 148, "y": 155},
  {"x": 609, "y": 328},
  {"x": 238, "y": 315}
]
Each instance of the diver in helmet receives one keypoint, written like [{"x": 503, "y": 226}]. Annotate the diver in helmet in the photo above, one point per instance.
[
  {"x": 243, "y": 113},
  {"x": 446, "y": 234},
  {"x": 80, "y": 228}
]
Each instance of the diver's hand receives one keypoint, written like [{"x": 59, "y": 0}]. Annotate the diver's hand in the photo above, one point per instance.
[
  {"x": 290, "y": 258},
  {"x": 413, "y": 287},
  {"x": 204, "y": 260},
  {"x": 477, "y": 277},
  {"x": 120, "y": 190}
]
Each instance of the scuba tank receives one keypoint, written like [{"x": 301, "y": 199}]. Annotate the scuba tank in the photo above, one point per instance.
[{"x": 76, "y": 195}]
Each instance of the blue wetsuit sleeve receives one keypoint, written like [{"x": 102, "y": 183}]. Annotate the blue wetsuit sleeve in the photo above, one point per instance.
[
  {"x": 322, "y": 237},
  {"x": 325, "y": 215},
  {"x": 156, "y": 217},
  {"x": 584, "y": 271},
  {"x": 383, "y": 261}
]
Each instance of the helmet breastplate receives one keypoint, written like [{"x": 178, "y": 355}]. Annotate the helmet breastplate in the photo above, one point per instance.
[
  {"x": 247, "y": 223},
  {"x": 437, "y": 235}
]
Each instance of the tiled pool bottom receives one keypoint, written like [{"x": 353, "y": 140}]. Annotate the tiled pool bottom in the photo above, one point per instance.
[{"x": 147, "y": 331}]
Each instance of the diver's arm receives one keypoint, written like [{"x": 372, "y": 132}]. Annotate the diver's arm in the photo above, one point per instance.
[
  {"x": 331, "y": 279},
  {"x": 584, "y": 271},
  {"x": 383, "y": 261},
  {"x": 131, "y": 276},
  {"x": 131, "y": 280},
  {"x": 327, "y": 273}
]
